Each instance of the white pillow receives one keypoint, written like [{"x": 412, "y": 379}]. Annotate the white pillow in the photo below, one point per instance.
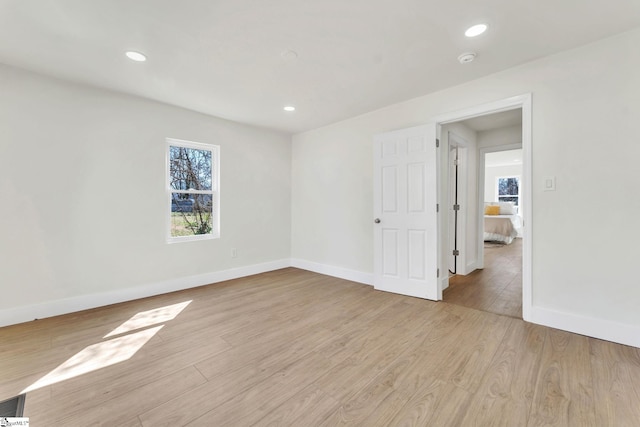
[{"x": 508, "y": 208}]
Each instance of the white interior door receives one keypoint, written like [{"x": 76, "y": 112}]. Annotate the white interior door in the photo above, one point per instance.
[{"x": 405, "y": 217}]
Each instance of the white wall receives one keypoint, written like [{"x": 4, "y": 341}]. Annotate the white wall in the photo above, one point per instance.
[
  {"x": 82, "y": 194},
  {"x": 579, "y": 96},
  {"x": 332, "y": 201}
]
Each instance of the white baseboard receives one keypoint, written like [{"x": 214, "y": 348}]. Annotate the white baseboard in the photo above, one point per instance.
[
  {"x": 69, "y": 305},
  {"x": 467, "y": 269},
  {"x": 329, "y": 270},
  {"x": 621, "y": 333},
  {"x": 471, "y": 267}
]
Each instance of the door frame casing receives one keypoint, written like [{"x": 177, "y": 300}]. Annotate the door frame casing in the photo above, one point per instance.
[{"x": 524, "y": 102}]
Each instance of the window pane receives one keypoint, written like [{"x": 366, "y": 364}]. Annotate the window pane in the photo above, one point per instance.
[
  {"x": 191, "y": 214},
  {"x": 189, "y": 168},
  {"x": 508, "y": 199},
  {"x": 508, "y": 186}
]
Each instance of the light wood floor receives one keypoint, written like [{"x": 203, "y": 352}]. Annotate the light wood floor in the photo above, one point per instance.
[
  {"x": 295, "y": 348},
  {"x": 497, "y": 288}
]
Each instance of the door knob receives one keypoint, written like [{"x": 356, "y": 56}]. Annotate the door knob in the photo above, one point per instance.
[{"x": 377, "y": 220}]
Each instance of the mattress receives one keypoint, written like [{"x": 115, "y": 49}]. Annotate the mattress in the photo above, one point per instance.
[{"x": 501, "y": 228}]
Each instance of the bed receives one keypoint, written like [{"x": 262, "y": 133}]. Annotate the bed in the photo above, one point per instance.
[{"x": 501, "y": 222}]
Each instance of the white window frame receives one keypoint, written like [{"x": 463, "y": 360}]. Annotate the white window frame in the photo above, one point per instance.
[
  {"x": 498, "y": 178},
  {"x": 214, "y": 192}
]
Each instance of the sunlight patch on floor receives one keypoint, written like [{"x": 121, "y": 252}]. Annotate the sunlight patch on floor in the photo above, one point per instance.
[
  {"x": 149, "y": 317},
  {"x": 116, "y": 350},
  {"x": 97, "y": 356}
]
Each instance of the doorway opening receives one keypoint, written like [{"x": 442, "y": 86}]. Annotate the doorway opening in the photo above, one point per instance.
[{"x": 485, "y": 267}]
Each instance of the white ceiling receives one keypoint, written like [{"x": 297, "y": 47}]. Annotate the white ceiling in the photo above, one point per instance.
[
  {"x": 495, "y": 120},
  {"x": 503, "y": 158},
  {"x": 224, "y": 57}
]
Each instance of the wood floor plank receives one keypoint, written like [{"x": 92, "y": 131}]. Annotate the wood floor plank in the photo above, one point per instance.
[
  {"x": 18, "y": 373},
  {"x": 233, "y": 373},
  {"x": 421, "y": 364},
  {"x": 263, "y": 354},
  {"x": 616, "y": 378},
  {"x": 302, "y": 315},
  {"x": 122, "y": 408},
  {"x": 466, "y": 364},
  {"x": 564, "y": 388},
  {"x": 435, "y": 403},
  {"x": 356, "y": 409},
  {"x": 505, "y": 395},
  {"x": 150, "y": 364},
  {"x": 243, "y": 410},
  {"x": 367, "y": 356},
  {"x": 133, "y": 422},
  {"x": 307, "y": 408}
]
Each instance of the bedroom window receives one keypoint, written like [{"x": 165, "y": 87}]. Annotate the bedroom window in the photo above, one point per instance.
[
  {"x": 508, "y": 189},
  {"x": 193, "y": 190}
]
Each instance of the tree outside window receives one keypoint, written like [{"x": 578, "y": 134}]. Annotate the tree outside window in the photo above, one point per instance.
[{"x": 509, "y": 189}]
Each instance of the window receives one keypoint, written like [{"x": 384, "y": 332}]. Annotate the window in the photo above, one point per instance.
[
  {"x": 193, "y": 190},
  {"x": 509, "y": 189}
]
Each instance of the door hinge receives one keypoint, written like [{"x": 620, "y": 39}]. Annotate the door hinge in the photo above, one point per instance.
[
  {"x": 456, "y": 162},
  {"x": 437, "y": 143},
  {"x": 437, "y": 207},
  {"x": 438, "y": 273},
  {"x": 456, "y": 252},
  {"x": 456, "y": 207}
]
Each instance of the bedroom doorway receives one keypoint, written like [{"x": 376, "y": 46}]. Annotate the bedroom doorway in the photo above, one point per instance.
[{"x": 494, "y": 283}]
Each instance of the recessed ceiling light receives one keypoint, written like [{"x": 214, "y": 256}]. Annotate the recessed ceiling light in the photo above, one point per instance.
[
  {"x": 289, "y": 108},
  {"x": 476, "y": 30},
  {"x": 136, "y": 56}
]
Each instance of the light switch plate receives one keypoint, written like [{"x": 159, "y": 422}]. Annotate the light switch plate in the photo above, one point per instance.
[{"x": 549, "y": 183}]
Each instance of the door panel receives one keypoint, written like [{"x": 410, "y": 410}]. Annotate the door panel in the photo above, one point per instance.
[
  {"x": 390, "y": 252},
  {"x": 405, "y": 197},
  {"x": 390, "y": 189},
  {"x": 416, "y": 187},
  {"x": 417, "y": 255}
]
